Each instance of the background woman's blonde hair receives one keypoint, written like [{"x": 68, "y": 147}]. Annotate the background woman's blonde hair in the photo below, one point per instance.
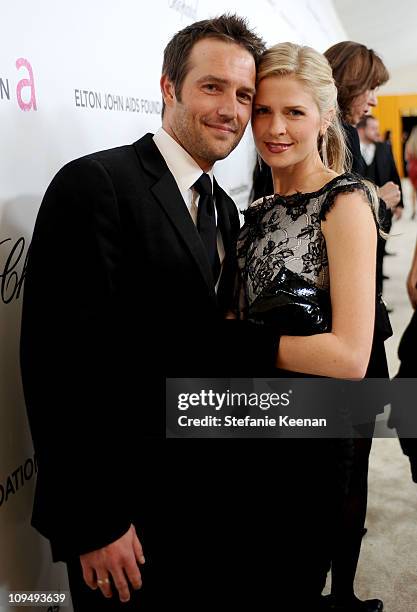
[
  {"x": 313, "y": 70},
  {"x": 411, "y": 145}
]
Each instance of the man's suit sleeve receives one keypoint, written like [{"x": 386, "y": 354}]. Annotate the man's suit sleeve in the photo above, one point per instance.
[{"x": 72, "y": 361}]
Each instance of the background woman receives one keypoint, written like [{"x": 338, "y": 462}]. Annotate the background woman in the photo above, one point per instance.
[{"x": 358, "y": 72}]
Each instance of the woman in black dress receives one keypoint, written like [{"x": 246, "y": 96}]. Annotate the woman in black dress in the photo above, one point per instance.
[{"x": 319, "y": 226}]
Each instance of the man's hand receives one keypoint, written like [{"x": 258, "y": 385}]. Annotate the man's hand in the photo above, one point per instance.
[
  {"x": 119, "y": 560},
  {"x": 390, "y": 193},
  {"x": 412, "y": 288},
  {"x": 230, "y": 315}
]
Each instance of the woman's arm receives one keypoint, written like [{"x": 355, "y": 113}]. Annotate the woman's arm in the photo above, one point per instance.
[
  {"x": 412, "y": 281},
  {"x": 351, "y": 239}
]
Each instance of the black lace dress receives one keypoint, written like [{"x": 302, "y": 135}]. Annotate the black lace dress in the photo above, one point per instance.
[{"x": 285, "y": 231}]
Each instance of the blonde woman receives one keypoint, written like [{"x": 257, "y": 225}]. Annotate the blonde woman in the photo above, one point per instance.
[
  {"x": 317, "y": 228},
  {"x": 411, "y": 158}
]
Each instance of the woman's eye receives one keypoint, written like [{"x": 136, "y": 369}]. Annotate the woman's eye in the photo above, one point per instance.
[
  {"x": 296, "y": 113},
  {"x": 210, "y": 87},
  {"x": 261, "y": 110}
]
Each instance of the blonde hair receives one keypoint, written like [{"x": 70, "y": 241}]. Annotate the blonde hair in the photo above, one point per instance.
[
  {"x": 312, "y": 69},
  {"x": 411, "y": 146}
]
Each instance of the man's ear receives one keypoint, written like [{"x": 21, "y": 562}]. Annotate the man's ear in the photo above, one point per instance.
[{"x": 167, "y": 90}]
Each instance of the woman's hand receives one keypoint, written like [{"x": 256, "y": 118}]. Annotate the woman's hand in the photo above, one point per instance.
[{"x": 412, "y": 287}]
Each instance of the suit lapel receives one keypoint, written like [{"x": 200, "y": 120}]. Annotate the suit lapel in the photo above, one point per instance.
[
  {"x": 167, "y": 193},
  {"x": 229, "y": 235},
  {"x": 168, "y": 196}
]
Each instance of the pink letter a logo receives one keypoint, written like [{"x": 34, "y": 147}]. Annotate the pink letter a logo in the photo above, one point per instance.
[{"x": 26, "y": 106}]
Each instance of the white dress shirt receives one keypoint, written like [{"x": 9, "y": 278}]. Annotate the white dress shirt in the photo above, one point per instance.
[
  {"x": 368, "y": 152},
  {"x": 185, "y": 172}
]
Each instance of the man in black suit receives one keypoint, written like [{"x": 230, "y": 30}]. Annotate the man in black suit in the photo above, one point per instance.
[
  {"x": 380, "y": 168},
  {"x": 129, "y": 277}
]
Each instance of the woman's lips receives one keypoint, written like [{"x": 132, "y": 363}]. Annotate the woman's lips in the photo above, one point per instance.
[{"x": 278, "y": 147}]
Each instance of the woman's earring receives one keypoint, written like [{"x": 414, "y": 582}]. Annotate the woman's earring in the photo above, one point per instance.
[
  {"x": 259, "y": 158},
  {"x": 324, "y": 149}
]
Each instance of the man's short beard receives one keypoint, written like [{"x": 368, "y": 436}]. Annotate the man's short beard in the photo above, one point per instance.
[{"x": 213, "y": 157}]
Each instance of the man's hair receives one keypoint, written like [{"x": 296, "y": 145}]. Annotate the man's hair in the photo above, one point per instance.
[
  {"x": 364, "y": 121},
  {"x": 356, "y": 69},
  {"x": 227, "y": 27}
]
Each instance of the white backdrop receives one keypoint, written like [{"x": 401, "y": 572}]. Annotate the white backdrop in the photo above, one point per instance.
[{"x": 76, "y": 77}]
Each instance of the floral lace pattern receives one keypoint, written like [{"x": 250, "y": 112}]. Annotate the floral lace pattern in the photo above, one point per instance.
[{"x": 286, "y": 231}]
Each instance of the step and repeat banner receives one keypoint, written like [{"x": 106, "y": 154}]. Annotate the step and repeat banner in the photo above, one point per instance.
[{"x": 76, "y": 77}]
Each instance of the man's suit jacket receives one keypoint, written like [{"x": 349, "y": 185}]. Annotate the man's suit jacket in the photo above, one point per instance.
[
  {"x": 118, "y": 295},
  {"x": 384, "y": 170},
  {"x": 385, "y": 166}
]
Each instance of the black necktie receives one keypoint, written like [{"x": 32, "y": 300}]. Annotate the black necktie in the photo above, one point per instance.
[{"x": 206, "y": 222}]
